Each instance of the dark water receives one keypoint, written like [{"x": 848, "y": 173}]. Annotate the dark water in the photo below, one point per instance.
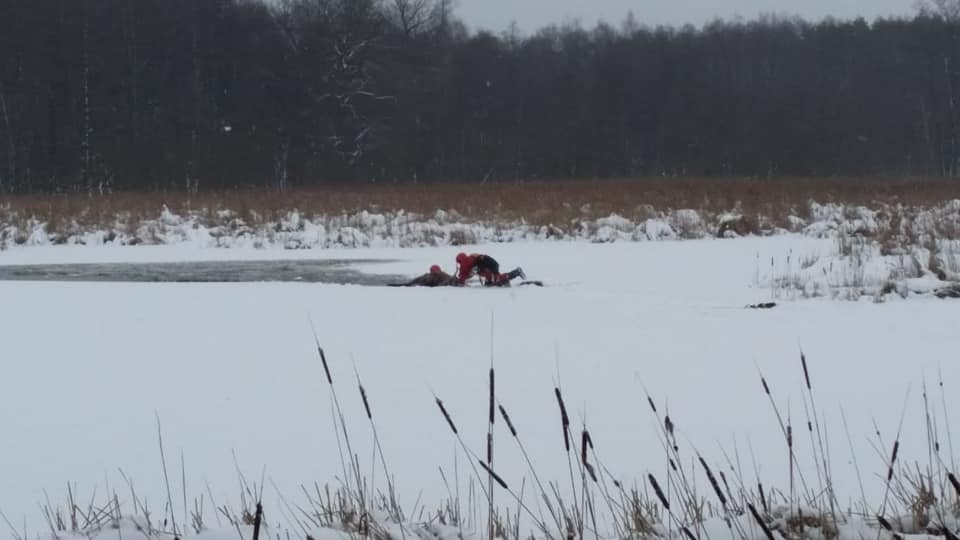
[{"x": 339, "y": 271}]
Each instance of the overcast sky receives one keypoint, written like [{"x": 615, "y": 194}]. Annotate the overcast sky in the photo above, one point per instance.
[{"x": 531, "y": 15}]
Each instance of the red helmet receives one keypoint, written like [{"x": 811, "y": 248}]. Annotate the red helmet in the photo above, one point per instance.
[
  {"x": 461, "y": 257},
  {"x": 435, "y": 269}
]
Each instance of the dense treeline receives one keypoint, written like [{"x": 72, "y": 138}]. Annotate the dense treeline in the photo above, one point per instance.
[{"x": 107, "y": 95}]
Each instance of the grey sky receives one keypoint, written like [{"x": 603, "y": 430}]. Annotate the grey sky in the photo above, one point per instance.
[{"x": 531, "y": 15}]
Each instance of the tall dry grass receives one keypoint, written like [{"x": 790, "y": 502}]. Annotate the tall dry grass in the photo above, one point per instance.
[{"x": 539, "y": 203}]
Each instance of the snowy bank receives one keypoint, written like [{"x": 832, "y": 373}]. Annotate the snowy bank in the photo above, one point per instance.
[{"x": 226, "y": 228}]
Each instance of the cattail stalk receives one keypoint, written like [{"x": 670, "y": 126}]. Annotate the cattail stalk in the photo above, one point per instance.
[
  {"x": 533, "y": 471},
  {"x": 256, "y": 521},
  {"x": 828, "y": 476},
  {"x": 469, "y": 454},
  {"x": 378, "y": 449},
  {"x": 786, "y": 431},
  {"x": 471, "y": 457},
  {"x": 684, "y": 491},
  {"x": 893, "y": 454},
  {"x": 565, "y": 424},
  {"x": 491, "y": 418},
  {"x": 339, "y": 413},
  {"x": 519, "y": 499}
]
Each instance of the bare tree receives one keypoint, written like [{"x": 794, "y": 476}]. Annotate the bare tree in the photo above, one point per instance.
[
  {"x": 11, "y": 148},
  {"x": 412, "y": 16},
  {"x": 948, "y": 10},
  {"x": 86, "y": 168}
]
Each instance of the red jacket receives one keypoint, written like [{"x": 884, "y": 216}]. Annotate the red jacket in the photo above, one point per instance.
[
  {"x": 483, "y": 265},
  {"x": 470, "y": 264},
  {"x": 466, "y": 267}
]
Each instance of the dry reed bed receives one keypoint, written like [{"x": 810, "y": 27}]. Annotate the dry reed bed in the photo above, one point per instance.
[{"x": 539, "y": 203}]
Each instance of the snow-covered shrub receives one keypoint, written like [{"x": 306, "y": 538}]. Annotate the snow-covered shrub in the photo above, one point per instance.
[
  {"x": 688, "y": 224},
  {"x": 734, "y": 225},
  {"x": 461, "y": 236}
]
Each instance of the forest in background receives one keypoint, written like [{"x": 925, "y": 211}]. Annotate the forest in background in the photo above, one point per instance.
[{"x": 103, "y": 96}]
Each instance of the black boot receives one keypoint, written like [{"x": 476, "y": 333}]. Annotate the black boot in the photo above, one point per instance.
[{"x": 517, "y": 272}]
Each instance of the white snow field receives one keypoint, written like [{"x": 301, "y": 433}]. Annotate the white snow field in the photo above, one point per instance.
[{"x": 232, "y": 370}]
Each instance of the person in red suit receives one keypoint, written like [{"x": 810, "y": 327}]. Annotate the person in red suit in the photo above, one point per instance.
[{"x": 487, "y": 268}]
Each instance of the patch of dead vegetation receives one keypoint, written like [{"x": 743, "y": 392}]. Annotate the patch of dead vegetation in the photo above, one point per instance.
[{"x": 768, "y": 201}]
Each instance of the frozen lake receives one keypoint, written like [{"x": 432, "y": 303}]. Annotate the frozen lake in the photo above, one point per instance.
[
  {"x": 232, "y": 370},
  {"x": 338, "y": 271}
]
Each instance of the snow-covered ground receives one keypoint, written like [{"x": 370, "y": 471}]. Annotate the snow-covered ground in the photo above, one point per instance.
[{"x": 231, "y": 369}]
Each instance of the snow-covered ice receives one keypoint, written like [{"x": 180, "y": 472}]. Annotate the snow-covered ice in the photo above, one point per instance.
[{"x": 232, "y": 368}]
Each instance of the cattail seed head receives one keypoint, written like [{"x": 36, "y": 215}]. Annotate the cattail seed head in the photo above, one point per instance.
[
  {"x": 723, "y": 478},
  {"x": 492, "y": 415},
  {"x": 506, "y": 418},
  {"x": 447, "y": 416},
  {"x": 564, "y": 419},
  {"x": 563, "y": 408},
  {"x": 954, "y": 483},
  {"x": 806, "y": 374},
  {"x": 583, "y": 446},
  {"x": 590, "y": 471},
  {"x": 893, "y": 459},
  {"x": 493, "y": 474},
  {"x": 761, "y": 522},
  {"x": 326, "y": 368},
  {"x": 713, "y": 482},
  {"x": 366, "y": 404},
  {"x": 658, "y": 491}
]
